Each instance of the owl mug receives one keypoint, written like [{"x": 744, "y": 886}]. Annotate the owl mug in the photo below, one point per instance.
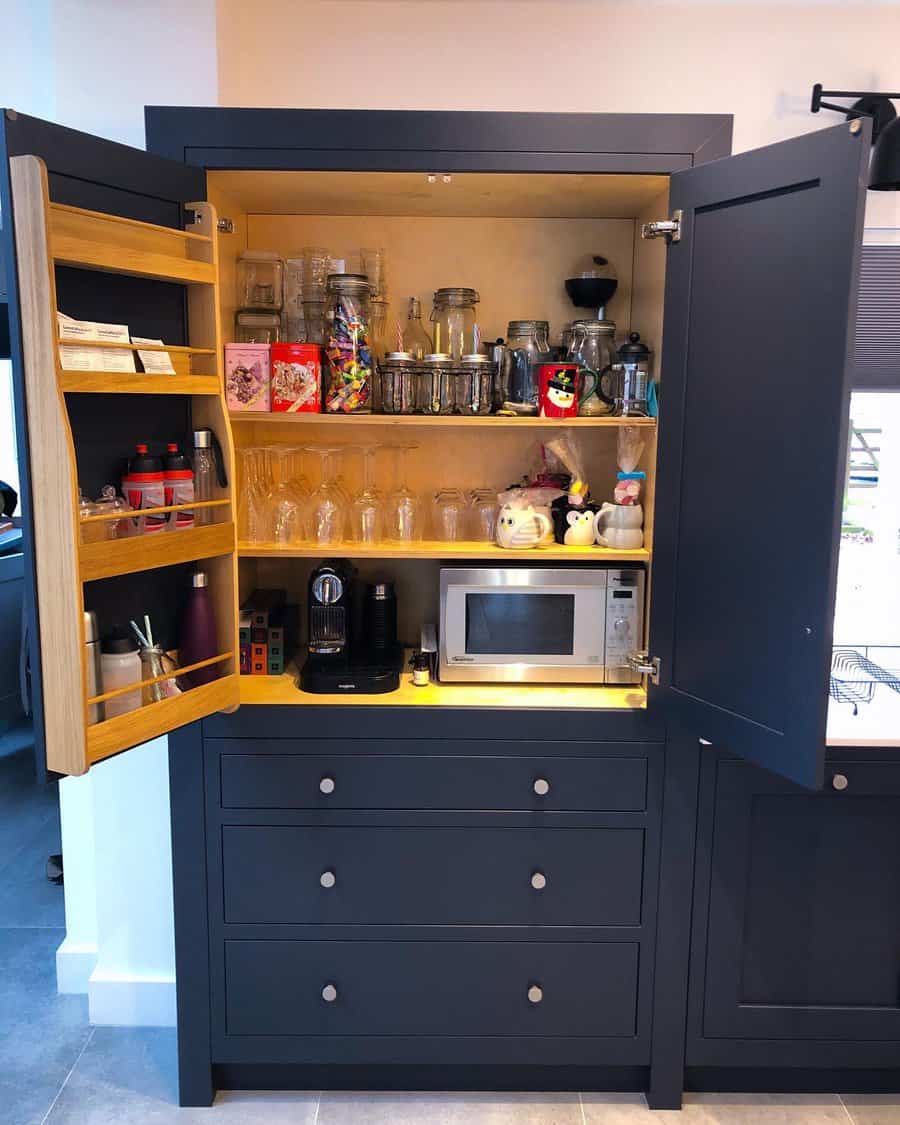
[{"x": 519, "y": 529}]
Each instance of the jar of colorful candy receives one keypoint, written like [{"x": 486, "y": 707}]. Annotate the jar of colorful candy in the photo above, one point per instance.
[{"x": 348, "y": 345}]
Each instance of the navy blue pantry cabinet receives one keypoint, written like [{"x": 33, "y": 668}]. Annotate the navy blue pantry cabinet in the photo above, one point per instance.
[{"x": 439, "y": 916}]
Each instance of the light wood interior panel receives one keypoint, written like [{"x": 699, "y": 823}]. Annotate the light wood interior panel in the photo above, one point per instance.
[
  {"x": 552, "y": 195},
  {"x": 53, "y": 482},
  {"x": 517, "y": 265}
]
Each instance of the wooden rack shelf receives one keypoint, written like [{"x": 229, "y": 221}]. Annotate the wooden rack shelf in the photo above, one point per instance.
[
  {"x": 285, "y": 690},
  {"x": 110, "y": 557},
  {"x": 131, "y": 383},
  {"x": 154, "y": 719},
  {"x": 423, "y": 421},
  {"x": 430, "y": 549},
  {"x": 112, "y": 244}
]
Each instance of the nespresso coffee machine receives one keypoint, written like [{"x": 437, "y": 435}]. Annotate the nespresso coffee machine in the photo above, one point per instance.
[{"x": 341, "y": 659}]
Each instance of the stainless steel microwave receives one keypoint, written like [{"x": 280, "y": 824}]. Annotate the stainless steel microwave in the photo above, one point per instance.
[{"x": 540, "y": 624}]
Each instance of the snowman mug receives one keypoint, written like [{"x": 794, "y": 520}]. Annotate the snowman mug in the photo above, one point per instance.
[{"x": 558, "y": 390}]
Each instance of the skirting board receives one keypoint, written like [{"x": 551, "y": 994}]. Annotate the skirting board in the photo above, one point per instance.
[
  {"x": 75, "y": 961},
  {"x": 117, "y": 1001}
]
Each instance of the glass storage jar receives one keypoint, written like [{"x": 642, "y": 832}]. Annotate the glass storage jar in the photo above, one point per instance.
[
  {"x": 260, "y": 279},
  {"x": 348, "y": 350},
  {"x": 395, "y": 384},
  {"x": 528, "y": 342},
  {"x": 435, "y": 379},
  {"x": 257, "y": 328},
  {"x": 474, "y": 385},
  {"x": 592, "y": 346},
  {"x": 453, "y": 317},
  {"x": 294, "y": 327}
]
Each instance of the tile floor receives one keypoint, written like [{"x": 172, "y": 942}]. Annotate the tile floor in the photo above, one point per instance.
[{"x": 56, "y": 1070}]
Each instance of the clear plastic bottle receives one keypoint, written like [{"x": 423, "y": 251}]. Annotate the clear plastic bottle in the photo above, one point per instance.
[{"x": 204, "y": 473}]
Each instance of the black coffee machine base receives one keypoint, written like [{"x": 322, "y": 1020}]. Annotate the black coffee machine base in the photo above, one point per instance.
[{"x": 336, "y": 675}]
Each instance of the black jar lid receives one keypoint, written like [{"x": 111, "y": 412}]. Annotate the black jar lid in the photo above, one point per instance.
[{"x": 118, "y": 641}]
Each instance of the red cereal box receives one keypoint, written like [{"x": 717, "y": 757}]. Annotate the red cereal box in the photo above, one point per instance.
[{"x": 296, "y": 378}]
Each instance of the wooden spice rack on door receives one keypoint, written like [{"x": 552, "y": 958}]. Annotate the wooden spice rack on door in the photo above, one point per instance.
[{"x": 50, "y": 234}]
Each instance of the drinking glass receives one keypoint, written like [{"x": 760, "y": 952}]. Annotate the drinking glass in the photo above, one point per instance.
[
  {"x": 485, "y": 509},
  {"x": 327, "y": 504},
  {"x": 252, "y": 522},
  {"x": 371, "y": 261},
  {"x": 404, "y": 511},
  {"x": 449, "y": 515},
  {"x": 367, "y": 508},
  {"x": 284, "y": 505}
]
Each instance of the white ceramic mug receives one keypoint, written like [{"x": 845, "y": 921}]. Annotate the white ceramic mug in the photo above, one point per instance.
[
  {"x": 519, "y": 529},
  {"x": 620, "y": 526}
]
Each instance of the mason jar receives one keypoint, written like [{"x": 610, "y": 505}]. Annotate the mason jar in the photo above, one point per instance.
[
  {"x": 435, "y": 378},
  {"x": 528, "y": 342},
  {"x": 348, "y": 350},
  {"x": 453, "y": 317},
  {"x": 474, "y": 385},
  {"x": 395, "y": 384}
]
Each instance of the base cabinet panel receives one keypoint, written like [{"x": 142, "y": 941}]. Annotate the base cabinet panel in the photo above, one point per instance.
[
  {"x": 487, "y": 988},
  {"x": 798, "y": 933}
]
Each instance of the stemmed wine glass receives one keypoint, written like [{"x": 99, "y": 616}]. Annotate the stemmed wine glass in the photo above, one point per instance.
[
  {"x": 404, "y": 511},
  {"x": 284, "y": 501},
  {"x": 252, "y": 511},
  {"x": 367, "y": 508},
  {"x": 327, "y": 503}
]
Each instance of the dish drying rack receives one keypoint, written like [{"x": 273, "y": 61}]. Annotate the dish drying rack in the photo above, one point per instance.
[{"x": 855, "y": 674}]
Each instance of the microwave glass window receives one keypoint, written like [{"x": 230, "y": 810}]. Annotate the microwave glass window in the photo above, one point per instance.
[{"x": 520, "y": 624}]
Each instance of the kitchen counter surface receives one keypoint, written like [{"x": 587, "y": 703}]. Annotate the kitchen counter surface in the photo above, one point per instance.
[{"x": 877, "y": 724}]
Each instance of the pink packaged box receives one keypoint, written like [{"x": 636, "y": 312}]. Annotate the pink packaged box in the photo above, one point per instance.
[{"x": 248, "y": 380}]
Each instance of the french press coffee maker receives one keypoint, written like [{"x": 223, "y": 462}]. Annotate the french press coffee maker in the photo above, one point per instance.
[{"x": 631, "y": 378}]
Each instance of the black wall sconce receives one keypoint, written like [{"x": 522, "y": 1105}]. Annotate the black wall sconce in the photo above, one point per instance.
[{"x": 884, "y": 171}]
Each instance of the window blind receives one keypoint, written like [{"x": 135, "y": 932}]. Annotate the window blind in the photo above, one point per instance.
[{"x": 876, "y": 358}]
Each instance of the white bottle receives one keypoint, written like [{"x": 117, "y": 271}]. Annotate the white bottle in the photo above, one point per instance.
[{"x": 120, "y": 665}]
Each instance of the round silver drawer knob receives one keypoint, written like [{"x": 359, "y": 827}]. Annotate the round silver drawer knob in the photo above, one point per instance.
[
  {"x": 326, "y": 785},
  {"x": 541, "y": 786},
  {"x": 329, "y": 994},
  {"x": 539, "y": 880},
  {"x": 327, "y": 880},
  {"x": 535, "y": 994},
  {"x": 839, "y": 782}
]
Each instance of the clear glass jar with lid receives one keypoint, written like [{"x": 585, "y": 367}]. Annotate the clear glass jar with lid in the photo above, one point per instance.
[
  {"x": 260, "y": 280},
  {"x": 453, "y": 317},
  {"x": 473, "y": 385},
  {"x": 395, "y": 384},
  {"x": 435, "y": 390},
  {"x": 257, "y": 327},
  {"x": 592, "y": 346},
  {"x": 348, "y": 349},
  {"x": 528, "y": 342}
]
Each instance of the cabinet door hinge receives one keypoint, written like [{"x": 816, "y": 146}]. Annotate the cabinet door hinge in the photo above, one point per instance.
[
  {"x": 645, "y": 665},
  {"x": 225, "y": 226},
  {"x": 669, "y": 229}
]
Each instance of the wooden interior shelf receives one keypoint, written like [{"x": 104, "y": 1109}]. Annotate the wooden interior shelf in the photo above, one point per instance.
[
  {"x": 155, "y": 719},
  {"x": 137, "y": 383},
  {"x": 423, "y": 421},
  {"x": 284, "y": 690},
  {"x": 109, "y": 557},
  {"x": 430, "y": 549},
  {"x": 94, "y": 241}
]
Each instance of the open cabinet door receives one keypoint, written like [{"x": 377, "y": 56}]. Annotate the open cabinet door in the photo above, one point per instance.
[
  {"x": 759, "y": 308},
  {"x": 106, "y": 232}
]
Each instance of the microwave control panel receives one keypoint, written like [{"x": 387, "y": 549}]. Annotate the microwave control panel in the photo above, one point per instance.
[{"x": 624, "y": 624}]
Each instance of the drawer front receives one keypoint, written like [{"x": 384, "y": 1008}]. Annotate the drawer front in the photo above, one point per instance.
[
  {"x": 387, "y": 781},
  {"x": 430, "y": 988},
  {"x": 432, "y": 876}
]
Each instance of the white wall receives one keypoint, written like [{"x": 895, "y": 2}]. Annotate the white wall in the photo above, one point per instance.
[{"x": 94, "y": 65}]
